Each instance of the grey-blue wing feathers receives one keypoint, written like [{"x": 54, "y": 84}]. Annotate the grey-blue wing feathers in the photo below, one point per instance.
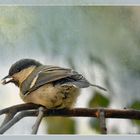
[{"x": 57, "y": 76}]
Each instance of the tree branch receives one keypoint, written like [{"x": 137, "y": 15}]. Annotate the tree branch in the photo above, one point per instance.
[
  {"x": 19, "y": 107},
  {"x": 16, "y": 119},
  {"x": 92, "y": 112},
  {"x": 77, "y": 112},
  {"x": 30, "y": 109},
  {"x": 102, "y": 121},
  {"x": 7, "y": 118},
  {"x": 38, "y": 120}
]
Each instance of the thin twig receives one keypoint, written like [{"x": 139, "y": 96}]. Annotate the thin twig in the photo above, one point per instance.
[
  {"x": 102, "y": 121},
  {"x": 7, "y": 118},
  {"x": 38, "y": 120},
  {"x": 19, "y": 107},
  {"x": 16, "y": 119}
]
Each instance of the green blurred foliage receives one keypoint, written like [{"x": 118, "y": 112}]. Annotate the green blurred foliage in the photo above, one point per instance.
[
  {"x": 136, "y": 105},
  {"x": 60, "y": 125},
  {"x": 94, "y": 124},
  {"x": 99, "y": 100}
]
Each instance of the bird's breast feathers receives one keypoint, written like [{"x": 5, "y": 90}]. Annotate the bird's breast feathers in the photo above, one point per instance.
[{"x": 52, "y": 96}]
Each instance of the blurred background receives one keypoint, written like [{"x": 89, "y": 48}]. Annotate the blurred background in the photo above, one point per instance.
[{"x": 100, "y": 42}]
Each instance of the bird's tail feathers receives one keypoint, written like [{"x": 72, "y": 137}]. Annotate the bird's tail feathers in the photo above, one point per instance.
[{"x": 98, "y": 87}]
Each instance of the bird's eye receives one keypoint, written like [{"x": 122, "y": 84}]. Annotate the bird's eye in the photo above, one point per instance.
[{"x": 18, "y": 70}]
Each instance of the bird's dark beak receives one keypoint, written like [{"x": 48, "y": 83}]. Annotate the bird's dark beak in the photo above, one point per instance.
[{"x": 7, "y": 79}]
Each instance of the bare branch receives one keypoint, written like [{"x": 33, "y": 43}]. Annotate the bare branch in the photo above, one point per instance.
[
  {"x": 19, "y": 107},
  {"x": 32, "y": 110},
  {"x": 16, "y": 119},
  {"x": 7, "y": 118},
  {"x": 92, "y": 112},
  {"x": 78, "y": 112},
  {"x": 38, "y": 120},
  {"x": 102, "y": 121}
]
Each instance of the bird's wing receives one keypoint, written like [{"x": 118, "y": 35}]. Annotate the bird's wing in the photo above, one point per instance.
[
  {"x": 55, "y": 75},
  {"x": 49, "y": 74},
  {"x": 58, "y": 75}
]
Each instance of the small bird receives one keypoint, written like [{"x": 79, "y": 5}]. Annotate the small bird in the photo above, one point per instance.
[{"x": 51, "y": 86}]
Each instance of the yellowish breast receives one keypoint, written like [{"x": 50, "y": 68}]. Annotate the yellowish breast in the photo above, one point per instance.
[{"x": 53, "y": 96}]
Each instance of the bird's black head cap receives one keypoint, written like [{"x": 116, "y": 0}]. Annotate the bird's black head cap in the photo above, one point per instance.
[{"x": 22, "y": 64}]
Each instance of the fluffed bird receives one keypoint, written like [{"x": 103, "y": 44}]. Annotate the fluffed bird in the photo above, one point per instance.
[{"x": 51, "y": 86}]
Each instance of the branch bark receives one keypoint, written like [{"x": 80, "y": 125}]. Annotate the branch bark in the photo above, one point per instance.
[
  {"x": 38, "y": 120},
  {"x": 7, "y": 118},
  {"x": 19, "y": 107},
  {"x": 30, "y": 109},
  {"x": 77, "y": 112},
  {"x": 16, "y": 119},
  {"x": 102, "y": 121}
]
